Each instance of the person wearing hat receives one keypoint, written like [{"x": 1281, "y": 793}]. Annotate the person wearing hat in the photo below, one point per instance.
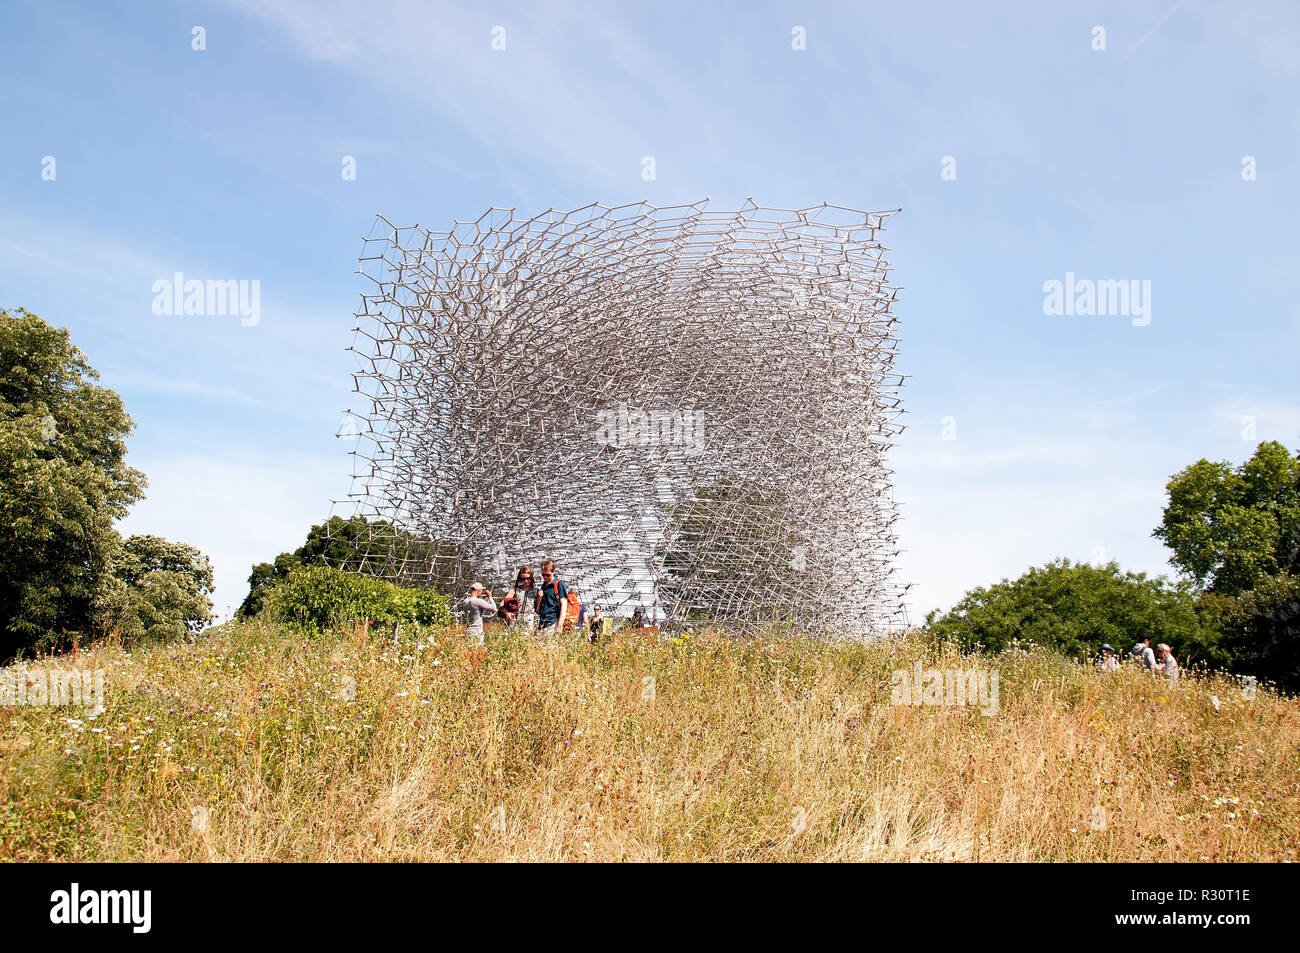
[
  {"x": 1107, "y": 661},
  {"x": 1142, "y": 654},
  {"x": 476, "y": 605},
  {"x": 1168, "y": 665}
]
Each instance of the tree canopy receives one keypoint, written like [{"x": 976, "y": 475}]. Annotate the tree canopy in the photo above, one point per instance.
[
  {"x": 1076, "y": 607},
  {"x": 65, "y": 482},
  {"x": 698, "y": 578},
  {"x": 355, "y": 544},
  {"x": 1229, "y": 527},
  {"x": 159, "y": 590},
  {"x": 1235, "y": 533}
]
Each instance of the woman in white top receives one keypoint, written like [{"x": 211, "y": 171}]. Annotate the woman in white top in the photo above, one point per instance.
[
  {"x": 524, "y": 609},
  {"x": 1168, "y": 665}
]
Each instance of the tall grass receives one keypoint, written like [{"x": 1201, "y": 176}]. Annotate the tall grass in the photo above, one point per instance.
[{"x": 257, "y": 743}]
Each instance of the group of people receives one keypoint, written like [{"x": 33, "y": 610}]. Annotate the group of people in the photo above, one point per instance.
[
  {"x": 552, "y": 607},
  {"x": 1159, "y": 661},
  {"x": 548, "y": 607}
]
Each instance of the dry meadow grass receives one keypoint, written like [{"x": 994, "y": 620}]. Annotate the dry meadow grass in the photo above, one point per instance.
[{"x": 244, "y": 746}]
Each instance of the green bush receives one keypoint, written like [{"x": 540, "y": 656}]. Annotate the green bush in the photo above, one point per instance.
[
  {"x": 319, "y": 598},
  {"x": 358, "y": 545},
  {"x": 1075, "y": 607}
]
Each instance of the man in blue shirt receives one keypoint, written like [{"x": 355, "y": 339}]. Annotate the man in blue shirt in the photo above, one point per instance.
[{"x": 552, "y": 600}]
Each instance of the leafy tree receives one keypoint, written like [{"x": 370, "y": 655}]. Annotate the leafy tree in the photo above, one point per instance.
[
  {"x": 263, "y": 578},
  {"x": 1076, "y": 607},
  {"x": 160, "y": 590},
  {"x": 65, "y": 482},
  {"x": 1235, "y": 533},
  {"x": 1229, "y": 527},
  {"x": 338, "y": 542},
  {"x": 370, "y": 547},
  {"x": 1261, "y": 631}
]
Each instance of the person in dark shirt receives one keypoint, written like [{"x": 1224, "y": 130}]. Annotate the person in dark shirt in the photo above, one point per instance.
[{"x": 552, "y": 601}]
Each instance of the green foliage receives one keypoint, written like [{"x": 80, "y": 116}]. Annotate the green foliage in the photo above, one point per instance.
[
  {"x": 370, "y": 547},
  {"x": 1235, "y": 532},
  {"x": 262, "y": 579},
  {"x": 1075, "y": 607},
  {"x": 1262, "y": 631},
  {"x": 1229, "y": 527},
  {"x": 159, "y": 590},
  {"x": 65, "y": 482},
  {"x": 341, "y": 543},
  {"x": 318, "y": 598}
]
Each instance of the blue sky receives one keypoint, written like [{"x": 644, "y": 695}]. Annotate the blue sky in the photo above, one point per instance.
[{"x": 1122, "y": 163}]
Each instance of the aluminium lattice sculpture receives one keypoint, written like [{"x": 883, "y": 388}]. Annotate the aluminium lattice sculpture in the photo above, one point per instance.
[{"x": 688, "y": 410}]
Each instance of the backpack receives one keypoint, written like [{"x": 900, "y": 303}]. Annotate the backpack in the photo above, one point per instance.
[
  {"x": 573, "y": 608},
  {"x": 510, "y": 607}
]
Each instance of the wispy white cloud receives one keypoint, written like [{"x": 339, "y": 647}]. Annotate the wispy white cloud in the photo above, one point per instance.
[
  {"x": 317, "y": 37},
  {"x": 67, "y": 249},
  {"x": 552, "y": 96},
  {"x": 1155, "y": 27},
  {"x": 178, "y": 386},
  {"x": 1269, "y": 33},
  {"x": 1085, "y": 484},
  {"x": 958, "y": 535}
]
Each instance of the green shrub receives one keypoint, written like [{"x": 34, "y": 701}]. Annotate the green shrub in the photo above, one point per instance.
[
  {"x": 319, "y": 598},
  {"x": 358, "y": 545},
  {"x": 1074, "y": 608}
]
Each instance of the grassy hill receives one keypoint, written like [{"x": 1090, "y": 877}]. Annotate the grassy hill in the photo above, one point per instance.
[{"x": 257, "y": 743}]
